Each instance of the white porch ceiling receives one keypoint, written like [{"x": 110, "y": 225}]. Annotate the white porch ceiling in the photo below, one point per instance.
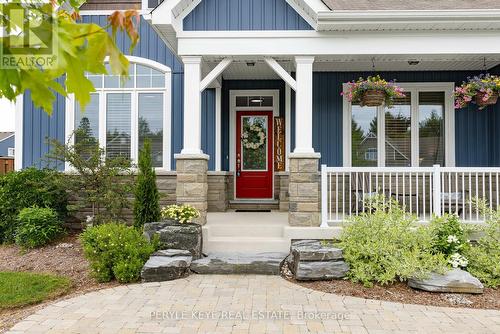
[{"x": 261, "y": 71}]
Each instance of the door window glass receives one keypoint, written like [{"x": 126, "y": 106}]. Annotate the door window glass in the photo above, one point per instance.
[{"x": 254, "y": 133}]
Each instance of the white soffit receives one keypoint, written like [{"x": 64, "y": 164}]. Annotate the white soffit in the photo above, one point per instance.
[{"x": 239, "y": 70}]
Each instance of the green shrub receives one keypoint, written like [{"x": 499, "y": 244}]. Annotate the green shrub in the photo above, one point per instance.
[
  {"x": 116, "y": 251},
  {"x": 25, "y": 189},
  {"x": 181, "y": 213},
  {"x": 147, "y": 197},
  {"x": 383, "y": 245},
  {"x": 449, "y": 239},
  {"x": 484, "y": 257},
  {"x": 37, "y": 227}
]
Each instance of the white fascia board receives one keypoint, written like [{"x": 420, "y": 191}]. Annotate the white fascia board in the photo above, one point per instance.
[
  {"x": 292, "y": 43},
  {"x": 389, "y": 19}
]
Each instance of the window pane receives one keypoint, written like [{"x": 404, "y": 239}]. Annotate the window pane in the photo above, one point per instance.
[
  {"x": 158, "y": 81},
  {"x": 398, "y": 133},
  {"x": 267, "y": 101},
  {"x": 96, "y": 80},
  {"x": 431, "y": 128},
  {"x": 118, "y": 127},
  {"x": 87, "y": 125},
  {"x": 364, "y": 136},
  {"x": 129, "y": 82},
  {"x": 151, "y": 124}
]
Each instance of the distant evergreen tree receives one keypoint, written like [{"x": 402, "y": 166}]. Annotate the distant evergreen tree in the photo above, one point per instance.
[{"x": 147, "y": 197}]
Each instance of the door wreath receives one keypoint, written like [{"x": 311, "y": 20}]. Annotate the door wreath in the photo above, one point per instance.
[{"x": 254, "y": 137}]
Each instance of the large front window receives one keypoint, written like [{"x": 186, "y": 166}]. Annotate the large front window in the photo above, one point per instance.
[
  {"x": 411, "y": 133},
  {"x": 123, "y": 113}
]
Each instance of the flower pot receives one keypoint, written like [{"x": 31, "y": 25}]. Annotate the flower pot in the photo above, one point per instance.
[
  {"x": 373, "y": 98},
  {"x": 480, "y": 101}
]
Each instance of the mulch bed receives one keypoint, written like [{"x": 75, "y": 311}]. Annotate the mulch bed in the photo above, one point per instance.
[
  {"x": 401, "y": 293},
  {"x": 64, "y": 257}
]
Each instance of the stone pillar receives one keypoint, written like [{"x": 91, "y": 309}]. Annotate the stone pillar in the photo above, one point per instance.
[
  {"x": 304, "y": 190},
  {"x": 192, "y": 185}
]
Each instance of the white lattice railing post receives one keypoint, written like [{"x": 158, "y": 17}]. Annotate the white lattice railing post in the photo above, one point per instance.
[
  {"x": 436, "y": 190},
  {"x": 324, "y": 197}
]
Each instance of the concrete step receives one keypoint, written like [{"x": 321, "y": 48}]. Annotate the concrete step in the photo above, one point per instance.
[
  {"x": 244, "y": 244},
  {"x": 246, "y": 230},
  {"x": 265, "y": 263}
]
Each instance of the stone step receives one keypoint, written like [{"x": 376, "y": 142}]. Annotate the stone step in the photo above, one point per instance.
[
  {"x": 244, "y": 244},
  {"x": 266, "y": 263},
  {"x": 167, "y": 265}
]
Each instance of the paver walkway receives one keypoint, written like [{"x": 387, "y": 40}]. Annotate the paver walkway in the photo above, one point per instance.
[{"x": 245, "y": 304}]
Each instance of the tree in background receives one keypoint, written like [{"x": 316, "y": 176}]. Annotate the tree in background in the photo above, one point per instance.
[{"x": 147, "y": 197}]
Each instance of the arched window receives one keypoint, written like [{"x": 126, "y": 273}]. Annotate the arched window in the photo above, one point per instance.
[{"x": 122, "y": 114}]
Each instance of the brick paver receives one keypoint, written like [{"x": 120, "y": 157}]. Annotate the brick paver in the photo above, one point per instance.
[{"x": 245, "y": 304}]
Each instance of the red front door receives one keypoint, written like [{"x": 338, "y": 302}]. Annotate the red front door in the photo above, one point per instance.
[{"x": 254, "y": 154}]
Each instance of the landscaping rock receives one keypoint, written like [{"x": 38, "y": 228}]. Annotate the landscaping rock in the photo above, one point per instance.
[
  {"x": 167, "y": 265},
  {"x": 239, "y": 263},
  {"x": 174, "y": 235},
  {"x": 454, "y": 281},
  {"x": 313, "y": 260},
  {"x": 315, "y": 250},
  {"x": 320, "y": 270}
]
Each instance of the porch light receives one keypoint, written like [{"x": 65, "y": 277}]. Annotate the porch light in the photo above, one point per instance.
[
  {"x": 413, "y": 62},
  {"x": 250, "y": 64}
]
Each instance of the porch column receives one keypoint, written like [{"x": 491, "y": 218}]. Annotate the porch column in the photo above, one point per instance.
[
  {"x": 304, "y": 162},
  {"x": 191, "y": 163}
]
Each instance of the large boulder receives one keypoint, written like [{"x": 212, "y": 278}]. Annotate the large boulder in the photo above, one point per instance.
[
  {"x": 320, "y": 270},
  {"x": 173, "y": 235},
  {"x": 167, "y": 265},
  {"x": 315, "y": 250},
  {"x": 453, "y": 281},
  {"x": 313, "y": 260}
]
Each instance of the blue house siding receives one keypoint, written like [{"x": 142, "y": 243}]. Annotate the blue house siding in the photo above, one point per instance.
[
  {"x": 227, "y": 86},
  {"x": 475, "y": 142},
  {"x": 38, "y": 126},
  {"x": 221, "y": 15},
  {"x": 5, "y": 145}
]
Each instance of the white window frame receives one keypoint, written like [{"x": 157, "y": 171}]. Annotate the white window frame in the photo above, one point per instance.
[
  {"x": 102, "y": 93},
  {"x": 413, "y": 88}
]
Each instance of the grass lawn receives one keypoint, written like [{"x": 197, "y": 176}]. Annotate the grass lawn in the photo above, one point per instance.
[{"x": 19, "y": 289}]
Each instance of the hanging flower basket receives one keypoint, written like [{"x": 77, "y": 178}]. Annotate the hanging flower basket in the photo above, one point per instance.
[
  {"x": 373, "y": 98},
  {"x": 482, "y": 90},
  {"x": 483, "y": 99},
  {"x": 373, "y": 92}
]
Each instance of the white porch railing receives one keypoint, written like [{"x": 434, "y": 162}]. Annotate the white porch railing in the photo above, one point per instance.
[{"x": 423, "y": 191}]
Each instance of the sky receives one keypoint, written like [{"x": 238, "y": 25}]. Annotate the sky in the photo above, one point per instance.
[{"x": 7, "y": 116}]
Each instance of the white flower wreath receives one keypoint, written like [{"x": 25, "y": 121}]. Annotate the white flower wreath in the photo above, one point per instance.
[{"x": 254, "y": 137}]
